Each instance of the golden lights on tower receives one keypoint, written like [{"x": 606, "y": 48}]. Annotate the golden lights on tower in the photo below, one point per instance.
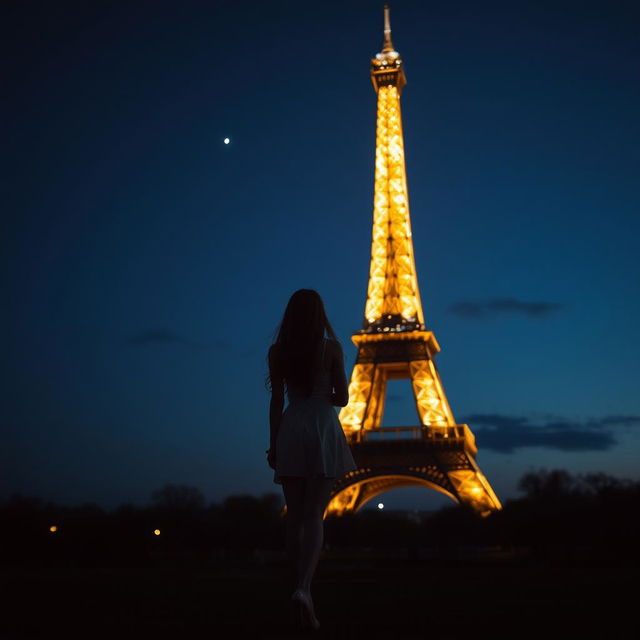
[
  {"x": 394, "y": 342},
  {"x": 393, "y": 285}
]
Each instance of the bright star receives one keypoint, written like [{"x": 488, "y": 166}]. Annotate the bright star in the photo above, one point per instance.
[{"x": 226, "y": 141}]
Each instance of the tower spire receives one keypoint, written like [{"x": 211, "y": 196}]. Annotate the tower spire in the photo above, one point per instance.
[
  {"x": 393, "y": 298},
  {"x": 388, "y": 45}
]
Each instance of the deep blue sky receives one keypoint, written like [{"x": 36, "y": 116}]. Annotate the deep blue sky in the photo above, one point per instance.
[{"x": 145, "y": 265}]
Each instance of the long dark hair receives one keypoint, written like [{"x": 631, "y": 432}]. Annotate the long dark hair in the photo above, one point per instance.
[{"x": 302, "y": 329}]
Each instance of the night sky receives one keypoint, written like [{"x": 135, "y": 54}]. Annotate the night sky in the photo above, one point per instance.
[{"x": 146, "y": 264}]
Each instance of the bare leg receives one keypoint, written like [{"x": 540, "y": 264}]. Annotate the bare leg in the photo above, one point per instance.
[
  {"x": 316, "y": 499},
  {"x": 294, "y": 490}
]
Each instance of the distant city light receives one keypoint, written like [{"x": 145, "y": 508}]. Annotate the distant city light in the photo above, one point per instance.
[
  {"x": 53, "y": 528},
  {"x": 227, "y": 140},
  {"x": 380, "y": 505},
  {"x": 156, "y": 532}
]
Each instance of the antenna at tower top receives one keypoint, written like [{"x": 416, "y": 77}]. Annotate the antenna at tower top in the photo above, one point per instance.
[{"x": 388, "y": 46}]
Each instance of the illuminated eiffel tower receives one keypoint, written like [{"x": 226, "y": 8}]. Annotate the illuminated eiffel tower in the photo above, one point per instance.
[{"x": 395, "y": 344}]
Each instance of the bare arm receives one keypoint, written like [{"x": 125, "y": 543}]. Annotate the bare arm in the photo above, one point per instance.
[
  {"x": 277, "y": 397},
  {"x": 340, "y": 396}
]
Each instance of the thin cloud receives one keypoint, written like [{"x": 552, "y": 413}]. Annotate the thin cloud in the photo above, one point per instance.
[
  {"x": 505, "y": 434},
  {"x": 497, "y": 306},
  {"x": 621, "y": 421}
]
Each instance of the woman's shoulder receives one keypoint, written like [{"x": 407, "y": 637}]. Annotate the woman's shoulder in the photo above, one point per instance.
[{"x": 274, "y": 351}]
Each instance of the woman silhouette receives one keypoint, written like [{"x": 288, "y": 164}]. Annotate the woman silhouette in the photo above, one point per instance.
[{"x": 308, "y": 448}]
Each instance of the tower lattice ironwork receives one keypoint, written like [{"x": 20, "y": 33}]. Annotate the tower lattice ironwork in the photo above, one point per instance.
[{"x": 394, "y": 343}]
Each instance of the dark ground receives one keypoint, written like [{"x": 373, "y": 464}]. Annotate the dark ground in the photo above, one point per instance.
[{"x": 354, "y": 598}]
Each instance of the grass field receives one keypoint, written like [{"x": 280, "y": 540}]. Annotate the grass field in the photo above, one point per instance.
[{"x": 354, "y": 598}]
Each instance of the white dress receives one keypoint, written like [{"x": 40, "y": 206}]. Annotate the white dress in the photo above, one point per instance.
[{"x": 310, "y": 441}]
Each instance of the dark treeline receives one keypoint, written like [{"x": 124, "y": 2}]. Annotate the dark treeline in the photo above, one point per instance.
[{"x": 561, "y": 518}]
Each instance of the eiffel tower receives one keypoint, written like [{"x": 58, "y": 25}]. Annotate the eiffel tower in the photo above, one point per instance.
[{"x": 394, "y": 343}]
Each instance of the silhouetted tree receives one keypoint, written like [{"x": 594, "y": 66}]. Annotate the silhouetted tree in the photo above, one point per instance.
[
  {"x": 547, "y": 484},
  {"x": 174, "y": 496},
  {"x": 601, "y": 484},
  {"x": 561, "y": 519}
]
